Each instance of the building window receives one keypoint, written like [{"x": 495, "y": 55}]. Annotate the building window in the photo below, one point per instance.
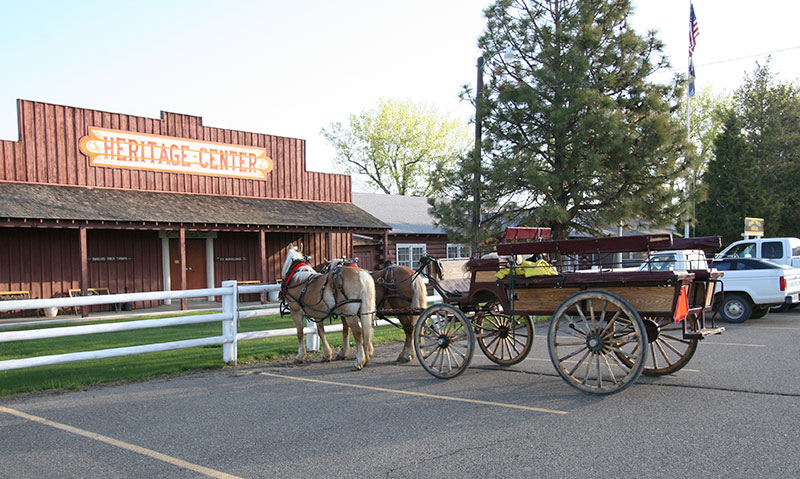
[
  {"x": 410, "y": 254},
  {"x": 455, "y": 250}
]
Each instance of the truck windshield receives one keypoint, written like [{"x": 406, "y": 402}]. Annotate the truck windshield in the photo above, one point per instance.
[{"x": 744, "y": 250}]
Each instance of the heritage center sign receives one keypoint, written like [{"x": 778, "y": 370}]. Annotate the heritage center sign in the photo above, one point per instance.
[{"x": 125, "y": 149}]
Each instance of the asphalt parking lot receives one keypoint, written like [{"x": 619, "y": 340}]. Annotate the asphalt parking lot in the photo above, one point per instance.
[{"x": 733, "y": 411}]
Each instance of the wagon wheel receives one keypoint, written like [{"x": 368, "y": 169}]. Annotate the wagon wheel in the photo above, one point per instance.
[
  {"x": 588, "y": 334},
  {"x": 444, "y": 341},
  {"x": 503, "y": 338},
  {"x": 668, "y": 350}
]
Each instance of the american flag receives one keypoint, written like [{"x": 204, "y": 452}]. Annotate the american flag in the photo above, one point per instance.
[{"x": 693, "y": 30}]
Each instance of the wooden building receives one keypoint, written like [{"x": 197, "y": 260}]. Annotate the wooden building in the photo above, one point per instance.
[
  {"x": 92, "y": 199},
  {"x": 413, "y": 232}
]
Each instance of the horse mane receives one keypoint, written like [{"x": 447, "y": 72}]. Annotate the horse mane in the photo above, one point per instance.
[
  {"x": 434, "y": 266},
  {"x": 291, "y": 255}
]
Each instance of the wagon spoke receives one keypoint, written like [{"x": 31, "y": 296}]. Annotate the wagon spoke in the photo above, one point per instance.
[
  {"x": 629, "y": 356},
  {"x": 490, "y": 318},
  {"x": 580, "y": 361},
  {"x": 590, "y": 303},
  {"x": 449, "y": 355},
  {"x": 515, "y": 340},
  {"x": 626, "y": 339},
  {"x": 603, "y": 313},
  {"x": 461, "y": 337},
  {"x": 437, "y": 350},
  {"x": 428, "y": 345},
  {"x": 573, "y": 331},
  {"x": 611, "y": 323},
  {"x": 610, "y": 371},
  {"x": 429, "y": 330},
  {"x": 579, "y": 343},
  {"x": 675, "y": 338},
  {"x": 599, "y": 374},
  {"x": 588, "y": 370},
  {"x": 494, "y": 342},
  {"x": 671, "y": 347},
  {"x": 573, "y": 354},
  {"x": 653, "y": 354},
  {"x": 582, "y": 316},
  {"x": 664, "y": 354},
  {"x": 622, "y": 365}
]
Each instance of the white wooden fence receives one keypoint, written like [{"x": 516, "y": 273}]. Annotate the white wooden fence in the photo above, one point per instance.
[{"x": 229, "y": 317}]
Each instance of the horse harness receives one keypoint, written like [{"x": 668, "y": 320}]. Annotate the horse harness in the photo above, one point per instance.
[
  {"x": 388, "y": 281},
  {"x": 337, "y": 285}
]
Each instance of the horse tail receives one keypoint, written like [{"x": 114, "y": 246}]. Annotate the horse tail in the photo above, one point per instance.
[
  {"x": 367, "y": 298},
  {"x": 420, "y": 298}
]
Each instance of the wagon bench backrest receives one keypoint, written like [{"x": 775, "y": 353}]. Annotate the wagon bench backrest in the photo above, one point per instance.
[{"x": 617, "y": 244}]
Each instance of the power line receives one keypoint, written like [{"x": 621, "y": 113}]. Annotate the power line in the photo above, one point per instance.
[{"x": 748, "y": 56}]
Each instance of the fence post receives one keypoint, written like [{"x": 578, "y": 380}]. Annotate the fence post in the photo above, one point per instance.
[
  {"x": 312, "y": 340},
  {"x": 230, "y": 305}
]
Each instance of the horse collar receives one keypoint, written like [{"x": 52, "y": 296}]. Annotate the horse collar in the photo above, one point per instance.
[{"x": 296, "y": 264}]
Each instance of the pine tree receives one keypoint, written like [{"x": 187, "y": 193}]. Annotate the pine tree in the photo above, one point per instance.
[
  {"x": 770, "y": 113},
  {"x": 576, "y": 135},
  {"x": 733, "y": 186}
]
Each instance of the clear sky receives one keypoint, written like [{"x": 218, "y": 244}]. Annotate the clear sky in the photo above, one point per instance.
[{"x": 289, "y": 68}]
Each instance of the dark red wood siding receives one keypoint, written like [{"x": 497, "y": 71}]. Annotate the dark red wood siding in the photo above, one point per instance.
[
  {"x": 46, "y": 262},
  {"x": 49, "y": 152}
]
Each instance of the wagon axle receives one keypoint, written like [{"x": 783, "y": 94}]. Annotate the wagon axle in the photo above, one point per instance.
[{"x": 596, "y": 343}]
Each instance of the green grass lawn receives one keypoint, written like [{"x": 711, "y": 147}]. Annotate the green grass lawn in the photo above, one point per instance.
[{"x": 143, "y": 366}]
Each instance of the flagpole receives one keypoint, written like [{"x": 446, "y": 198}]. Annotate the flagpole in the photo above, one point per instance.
[{"x": 688, "y": 135}]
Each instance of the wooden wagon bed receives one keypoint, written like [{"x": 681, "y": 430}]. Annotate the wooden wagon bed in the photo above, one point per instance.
[{"x": 607, "y": 326}]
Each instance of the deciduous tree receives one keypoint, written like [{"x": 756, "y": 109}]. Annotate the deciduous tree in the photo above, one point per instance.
[{"x": 401, "y": 147}]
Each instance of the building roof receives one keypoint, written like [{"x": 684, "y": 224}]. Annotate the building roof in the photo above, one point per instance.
[
  {"x": 51, "y": 202},
  {"x": 405, "y": 214}
]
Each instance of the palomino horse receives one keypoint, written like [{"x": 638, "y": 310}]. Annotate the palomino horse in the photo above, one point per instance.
[
  {"x": 398, "y": 288},
  {"x": 346, "y": 292}
]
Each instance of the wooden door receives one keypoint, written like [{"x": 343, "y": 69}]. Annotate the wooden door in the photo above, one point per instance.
[{"x": 195, "y": 264}]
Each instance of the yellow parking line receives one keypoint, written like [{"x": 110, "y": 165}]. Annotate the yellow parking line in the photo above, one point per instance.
[
  {"x": 772, "y": 327},
  {"x": 575, "y": 361},
  {"x": 411, "y": 393},
  {"x": 123, "y": 445}
]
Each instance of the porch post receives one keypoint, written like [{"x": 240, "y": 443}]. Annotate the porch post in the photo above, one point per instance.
[
  {"x": 165, "y": 265},
  {"x": 84, "y": 268},
  {"x": 262, "y": 258},
  {"x": 210, "y": 264},
  {"x": 182, "y": 247}
]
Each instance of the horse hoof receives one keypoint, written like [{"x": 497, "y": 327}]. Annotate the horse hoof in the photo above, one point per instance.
[
  {"x": 339, "y": 357},
  {"x": 403, "y": 359}
]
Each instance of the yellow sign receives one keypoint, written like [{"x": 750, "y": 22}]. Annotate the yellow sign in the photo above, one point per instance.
[
  {"x": 754, "y": 226},
  {"x": 125, "y": 149}
]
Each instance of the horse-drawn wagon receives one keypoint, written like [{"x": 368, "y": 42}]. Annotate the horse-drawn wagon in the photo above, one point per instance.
[{"x": 608, "y": 325}]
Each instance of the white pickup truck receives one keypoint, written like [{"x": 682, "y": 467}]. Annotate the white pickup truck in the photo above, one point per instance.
[
  {"x": 778, "y": 250},
  {"x": 748, "y": 288}
]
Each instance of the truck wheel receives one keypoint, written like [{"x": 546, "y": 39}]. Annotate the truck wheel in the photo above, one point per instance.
[
  {"x": 779, "y": 309},
  {"x": 735, "y": 308}
]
